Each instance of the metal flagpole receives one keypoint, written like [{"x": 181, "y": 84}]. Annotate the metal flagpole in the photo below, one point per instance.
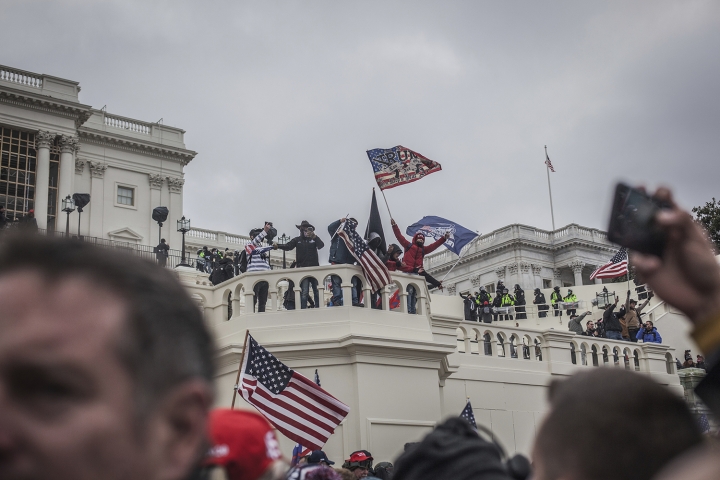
[
  {"x": 237, "y": 380},
  {"x": 456, "y": 262},
  {"x": 547, "y": 167}
]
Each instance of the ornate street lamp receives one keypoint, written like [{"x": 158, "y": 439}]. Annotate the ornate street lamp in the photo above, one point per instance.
[
  {"x": 68, "y": 206},
  {"x": 183, "y": 226},
  {"x": 282, "y": 240}
]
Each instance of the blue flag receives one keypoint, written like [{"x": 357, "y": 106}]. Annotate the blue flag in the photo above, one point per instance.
[
  {"x": 468, "y": 414},
  {"x": 437, "y": 226}
]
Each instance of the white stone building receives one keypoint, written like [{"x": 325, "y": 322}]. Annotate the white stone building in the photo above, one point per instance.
[{"x": 52, "y": 145}]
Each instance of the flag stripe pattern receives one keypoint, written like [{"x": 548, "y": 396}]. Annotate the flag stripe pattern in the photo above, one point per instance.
[
  {"x": 616, "y": 267},
  {"x": 297, "y": 407},
  {"x": 374, "y": 269},
  {"x": 549, "y": 163},
  {"x": 399, "y": 165}
]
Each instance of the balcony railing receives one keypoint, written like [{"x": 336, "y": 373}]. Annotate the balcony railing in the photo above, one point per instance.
[
  {"x": 136, "y": 126},
  {"x": 21, "y": 77}
]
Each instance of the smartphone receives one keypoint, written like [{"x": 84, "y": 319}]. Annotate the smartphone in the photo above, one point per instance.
[{"x": 632, "y": 221}]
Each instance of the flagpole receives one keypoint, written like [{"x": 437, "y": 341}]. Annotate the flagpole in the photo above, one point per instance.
[
  {"x": 237, "y": 379},
  {"x": 547, "y": 167},
  {"x": 386, "y": 204},
  {"x": 456, "y": 262}
]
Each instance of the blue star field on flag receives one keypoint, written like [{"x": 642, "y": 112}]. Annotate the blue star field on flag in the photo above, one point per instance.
[
  {"x": 468, "y": 415},
  {"x": 268, "y": 370}
]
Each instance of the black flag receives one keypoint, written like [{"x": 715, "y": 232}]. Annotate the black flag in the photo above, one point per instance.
[{"x": 375, "y": 226}]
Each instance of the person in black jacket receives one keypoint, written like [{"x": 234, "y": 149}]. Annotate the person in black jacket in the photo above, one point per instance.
[
  {"x": 3, "y": 217},
  {"x": 340, "y": 255},
  {"x": 306, "y": 247},
  {"x": 28, "y": 222},
  {"x": 520, "y": 303},
  {"x": 470, "y": 307},
  {"x": 162, "y": 252},
  {"x": 613, "y": 328},
  {"x": 497, "y": 303},
  {"x": 539, "y": 300}
]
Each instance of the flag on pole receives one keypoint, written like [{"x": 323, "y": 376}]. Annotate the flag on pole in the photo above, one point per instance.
[
  {"x": 468, "y": 414},
  {"x": 548, "y": 162},
  {"x": 374, "y": 226},
  {"x": 399, "y": 165},
  {"x": 437, "y": 226},
  {"x": 297, "y": 407},
  {"x": 616, "y": 267},
  {"x": 374, "y": 269},
  {"x": 299, "y": 451}
]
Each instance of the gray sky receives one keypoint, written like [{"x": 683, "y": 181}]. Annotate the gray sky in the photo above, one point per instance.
[{"x": 281, "y": 100}]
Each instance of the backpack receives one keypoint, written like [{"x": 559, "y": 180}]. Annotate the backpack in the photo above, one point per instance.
[
  {"x": 486, "y": 309},
  {"x": 242, "y": 263}
]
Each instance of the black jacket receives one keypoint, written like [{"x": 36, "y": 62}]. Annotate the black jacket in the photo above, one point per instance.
[
  {"x": 519, "y": 296},
  {"x": 483, "y": 297},
  {"x": 612, "y": 324},
  {"x": 339, "y": 252},
  {"x": 306, "y": 250},
  {"x": 3, "y": 220}
]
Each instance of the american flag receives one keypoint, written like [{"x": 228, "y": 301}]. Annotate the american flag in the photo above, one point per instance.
[
  {"x": 549, "y": 163},
  {"x": 374, "y": 269},
  {"x": 296, "y": 406},
  {"x": 616, "y": 267},
  {"x": 468, "y": 415},
  {"x": 399, "y": 165}
]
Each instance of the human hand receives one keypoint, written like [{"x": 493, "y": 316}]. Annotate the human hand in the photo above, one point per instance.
[
  {"x": 616, "y": 299},
  {"x": 392, "y": 222},
  {"x": 343, "y": 219},
  {"x": 687, "y": 276},
  {"x": 447, "y": 235},
  {"x": 628, "y": 294},
  {"x": 651, "y": 294},
  {"x": 268, "y": 226},
  {"x": 275, "y": 245}
]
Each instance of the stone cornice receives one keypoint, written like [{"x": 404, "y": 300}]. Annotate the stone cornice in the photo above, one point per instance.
[
  {"x": 35, "y": 101},
  {"x": 114, "y": 140}
]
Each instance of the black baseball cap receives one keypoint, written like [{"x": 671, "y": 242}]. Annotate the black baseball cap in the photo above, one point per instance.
[{"x": 318, "y": 456}]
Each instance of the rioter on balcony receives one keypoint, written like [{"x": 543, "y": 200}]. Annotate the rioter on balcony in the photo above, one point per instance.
[
  {"x": 306, "y": 247},
  {"x": 257, "y": 260}
]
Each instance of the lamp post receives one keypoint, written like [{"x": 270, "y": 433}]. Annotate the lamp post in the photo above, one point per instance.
[
  {"x": 282, "y": 240},
  {"x": 68, "y": 206},
  {"x": 183, "y": 226}
]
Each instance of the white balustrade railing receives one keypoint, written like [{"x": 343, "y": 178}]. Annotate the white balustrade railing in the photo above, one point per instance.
[
  {"x": 238, "y": 292},
  {"x": 237, "y": 239},
  {"x": 202, "y": 233},
  {"x": 20, "y": 77},
  {"x": 493, "y": 340},
  {"x": 128, "y": 124}
]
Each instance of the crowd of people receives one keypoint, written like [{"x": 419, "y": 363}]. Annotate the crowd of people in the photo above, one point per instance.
[
  {"x": 107, "y": 371},
  {"x": 408, "y": 258}
]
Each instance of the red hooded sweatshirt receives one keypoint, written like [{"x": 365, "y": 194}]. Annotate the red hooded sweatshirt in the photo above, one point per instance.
[{"x": 414, "y": 254}]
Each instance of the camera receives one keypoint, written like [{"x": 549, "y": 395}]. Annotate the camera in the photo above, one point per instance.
[{"x": 632, "y": 221}]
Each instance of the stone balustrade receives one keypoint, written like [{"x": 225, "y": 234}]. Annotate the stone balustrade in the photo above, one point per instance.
[
  {"x": 21, "y": 77},
  {"x": 201, "y": 233},
  {"x": 136, "y": 126}
]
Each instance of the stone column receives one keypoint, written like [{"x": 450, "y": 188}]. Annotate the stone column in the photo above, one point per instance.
[
  {"x": 175, "y": 205},
  {"x": 577, "y": 268},
  {"x": 97, "y": 198},
  {"x": 43, "y": 142},
  {"x": 156, "y": 183},
  {"x": 68, "y": 147}
]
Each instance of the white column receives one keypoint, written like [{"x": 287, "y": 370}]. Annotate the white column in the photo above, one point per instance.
[
  {"x": 68, "y": 147},
  {"x": 97, "y": 199},
  {"x": 175, "y": 205},
  {"x": 156, "y": 183},
  {"x": 577, "y": 268},
  {"x": 43, "y": 142}
]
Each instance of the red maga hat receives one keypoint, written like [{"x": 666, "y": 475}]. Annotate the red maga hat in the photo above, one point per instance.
[{"x": 244, "y": 443}]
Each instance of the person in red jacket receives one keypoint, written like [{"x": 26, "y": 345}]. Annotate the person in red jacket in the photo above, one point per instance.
[{"x": 413, "y": 260}]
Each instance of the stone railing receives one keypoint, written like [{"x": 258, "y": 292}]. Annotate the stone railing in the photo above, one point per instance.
[
  {"x": 21, "y": 77},
  {"x": 234, "y": 298},
  {"x": 519, "y": 232},
  {"x": 565, "y": 349},
  {"x": 124, "y": 123},
  {"x": 202, "y": 234}
]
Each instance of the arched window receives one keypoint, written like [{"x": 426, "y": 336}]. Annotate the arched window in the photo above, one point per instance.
[
  {"x": 487, "y": 342},
  {"x": 573, "y": 358}
]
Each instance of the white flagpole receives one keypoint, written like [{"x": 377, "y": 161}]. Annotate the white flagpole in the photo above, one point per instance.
[{"x": 552, "y": 213}]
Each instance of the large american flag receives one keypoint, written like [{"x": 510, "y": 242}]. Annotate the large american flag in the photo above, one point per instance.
[
  {"x": 374, "y": 269},
  {"x": 295, "y": 405},
  {"x": 399, "y": 165},
  {"x": 616, "y": 267}
]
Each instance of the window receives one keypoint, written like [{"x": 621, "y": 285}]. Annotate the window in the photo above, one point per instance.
[
  {"x": 126, "y": 196},
  {"x": 490, "y": 288},
  {"x": 547, "y": 283}
]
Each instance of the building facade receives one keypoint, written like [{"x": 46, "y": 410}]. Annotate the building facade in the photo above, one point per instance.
[
  {"x": 52, "y": 146},
  {"x": 524, "y": 255}
]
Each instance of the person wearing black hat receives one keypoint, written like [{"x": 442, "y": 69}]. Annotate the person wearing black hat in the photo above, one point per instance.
[
  {"x": 319, "y": 457},
  {"x": 306, "y": 247}
]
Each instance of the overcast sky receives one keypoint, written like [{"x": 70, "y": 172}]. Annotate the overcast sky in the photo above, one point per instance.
[{"x": 282, "y": 99}]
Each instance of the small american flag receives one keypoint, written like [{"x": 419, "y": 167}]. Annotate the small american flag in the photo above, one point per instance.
[
  {"x": 468, "y": 414},
  {"x": 549, "y": 163},
  {"x": 297, "y": 407},
  {"x": 374, "y": 269},
  {"x": 704, "y": 423},
  {"x": 616, "y": 267}
]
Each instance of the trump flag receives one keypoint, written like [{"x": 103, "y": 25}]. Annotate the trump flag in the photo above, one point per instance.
[
  {"x": 437, "y": 226},
  {"x": 399, "y": 165}
]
